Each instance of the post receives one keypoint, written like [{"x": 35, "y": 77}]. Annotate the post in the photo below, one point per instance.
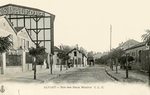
[
  {"x": 66, "y": 64},
  {"x": 3, "y": 66},
  {"x": 23, "y": 57}
]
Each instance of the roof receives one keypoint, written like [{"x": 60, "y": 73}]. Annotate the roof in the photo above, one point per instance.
[
  {"x": 77, "y": 50},
  {"x": 129, "y": 43},
  {"x": 30, "y": 8},
  {"x": 9, "y": 23},
  {"x": 136, "y": 46}
]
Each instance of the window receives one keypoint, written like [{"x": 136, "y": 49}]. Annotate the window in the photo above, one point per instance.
[{"x": 75, "y": 53}]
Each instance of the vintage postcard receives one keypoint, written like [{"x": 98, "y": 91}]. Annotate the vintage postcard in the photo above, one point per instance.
[{"x": 74, "y": 47}]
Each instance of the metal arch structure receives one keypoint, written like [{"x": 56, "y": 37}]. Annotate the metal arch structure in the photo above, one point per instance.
[{"x": 39, "y": 24}]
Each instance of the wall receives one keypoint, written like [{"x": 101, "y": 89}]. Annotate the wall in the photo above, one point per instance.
[
  {"x": 40, "y": 67},
  {"x": 13, "y": 69},
  {"x": 28, "y": 67}
]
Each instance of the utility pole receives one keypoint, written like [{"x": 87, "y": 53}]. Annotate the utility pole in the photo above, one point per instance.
[
  {"x": 111, "y": 61},
  {"x": 110, "y": 36}
]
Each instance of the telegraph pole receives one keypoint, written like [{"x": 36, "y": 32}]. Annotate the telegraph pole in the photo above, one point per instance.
[
  {"x": 111, "y": 62},
  {"x": 110, "y": 35}
]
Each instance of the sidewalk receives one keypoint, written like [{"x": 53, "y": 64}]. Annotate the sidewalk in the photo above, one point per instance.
[
  {"x": 134, "y": 75},
  {"x": 41, "y": 76}
]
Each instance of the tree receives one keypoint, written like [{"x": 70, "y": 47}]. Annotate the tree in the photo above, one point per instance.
[
  {"x": 5, "y": 43},
  {"x": 115, "y": 55},
  {"x": 36, "y": 53},
  {"x": 63, "y": 56},
  {"x": 146, "y": 39},
  {"x": 126, "y": 60},
  {"x": 90, "y": 54}
]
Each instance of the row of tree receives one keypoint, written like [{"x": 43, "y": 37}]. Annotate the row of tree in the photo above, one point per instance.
[{"x": 116, "y": 57}]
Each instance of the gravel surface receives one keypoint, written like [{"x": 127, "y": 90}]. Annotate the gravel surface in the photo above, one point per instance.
[{"x": 84, "y": 75}]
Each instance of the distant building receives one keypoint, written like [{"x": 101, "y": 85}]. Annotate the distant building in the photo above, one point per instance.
[
  {"x": 129, "y": 43},
  {"x": 77, "y": 57},
  {"x": 135, "y": 52}
]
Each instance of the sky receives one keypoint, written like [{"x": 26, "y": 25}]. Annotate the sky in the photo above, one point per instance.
[{"x": 87, "y": 22}]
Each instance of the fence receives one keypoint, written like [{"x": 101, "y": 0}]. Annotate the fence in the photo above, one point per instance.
[{"x": 13, "y": 60}]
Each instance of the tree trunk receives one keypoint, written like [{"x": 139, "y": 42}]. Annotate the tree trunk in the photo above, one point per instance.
[
  {"x": 51, "y": 64},
  {"x": 35, "y": 67},
  {"x": 127, "y": 67},
  {"x": 149, "y": 74},
  {"x": 112, "y": 65},
  {"x": 67, "y": 65},
  {"x": 116, "y": 65},
  {"x": 61, "y": 65}
]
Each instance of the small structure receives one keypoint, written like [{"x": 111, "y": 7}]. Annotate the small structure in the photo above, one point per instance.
[
  {"x": 78, "y": 58},
  {"x": 91, "y": 61}
]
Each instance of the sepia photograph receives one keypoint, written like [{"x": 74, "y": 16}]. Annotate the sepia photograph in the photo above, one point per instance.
[{"x": 74, "y": 47}]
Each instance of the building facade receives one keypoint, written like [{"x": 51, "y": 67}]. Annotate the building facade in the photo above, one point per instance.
[
  {"x": 77, "y": 58},
  {"x": 29, "y": 27},
  {"x": 39, "y": 24},
  {"x": 135, "y": 52}
]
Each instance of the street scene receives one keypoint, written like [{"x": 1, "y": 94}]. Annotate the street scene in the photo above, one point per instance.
[
  {"x": 56, "y": 42},
  {"x": 78, "y": 75}
]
